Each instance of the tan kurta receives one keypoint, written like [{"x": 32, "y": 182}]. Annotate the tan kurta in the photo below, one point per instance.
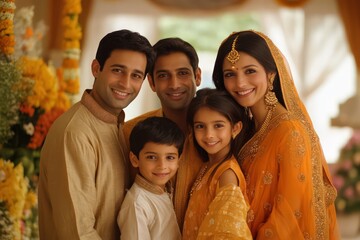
[
  {"x": 147, "y": 213},
  {"x": 189, "y": 165},
  {"x": 82, "y": 175}
]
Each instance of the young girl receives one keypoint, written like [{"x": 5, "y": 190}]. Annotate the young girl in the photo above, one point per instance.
[{"x": 217, "y": 207}]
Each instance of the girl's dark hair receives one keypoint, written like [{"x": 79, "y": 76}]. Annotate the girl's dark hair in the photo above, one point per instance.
[
  {"x": 254, "y": 45},
  {"x": 159, "y": 130},
  {"x": 222, "y": 102},
  {"x": 124, "y": 40}
]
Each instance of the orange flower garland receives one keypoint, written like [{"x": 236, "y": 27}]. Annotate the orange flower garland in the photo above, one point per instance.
[
  {"x": 71, "y": 45},
  {"x": 42, "y": 127},
  {"x": 7, "y": 39}
]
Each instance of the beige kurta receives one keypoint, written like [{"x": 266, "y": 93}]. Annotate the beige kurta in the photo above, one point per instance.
[
  {"x": 82, "y": 175},
  {"x": 147, "y": 213},
  {"x": 189, "y": 166}
]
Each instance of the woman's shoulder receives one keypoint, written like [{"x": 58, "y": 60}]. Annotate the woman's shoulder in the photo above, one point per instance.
[{"x": 285, "y": 123}]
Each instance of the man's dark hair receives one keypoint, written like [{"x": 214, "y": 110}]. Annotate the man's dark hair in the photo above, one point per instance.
[
  {"x": 124, "y": 40},
  {"x": 166, "y": 46}
]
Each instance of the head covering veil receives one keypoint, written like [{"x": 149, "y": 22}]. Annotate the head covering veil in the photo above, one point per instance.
[{"x": 324, "y": 193}]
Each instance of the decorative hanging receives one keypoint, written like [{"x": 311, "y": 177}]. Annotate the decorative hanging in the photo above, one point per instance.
[
  {"x": 292, "y": 3},
  {"x": 71, "y": 46},
  {"x": 197, "y": 5}
]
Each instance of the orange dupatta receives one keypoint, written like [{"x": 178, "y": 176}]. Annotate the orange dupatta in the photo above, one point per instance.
[{"x": 288, "y": 181}]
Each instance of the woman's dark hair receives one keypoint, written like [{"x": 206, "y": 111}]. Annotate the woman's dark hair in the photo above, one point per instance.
[
  {"x": 159, "y": 130},
  {"x": 222, "y": 102},
  {"x": 124, "y": 40},
  {"x": 254, "y": 45}
]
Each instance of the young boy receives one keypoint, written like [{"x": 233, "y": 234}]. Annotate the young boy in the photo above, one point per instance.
[{"x": 147, "y": 212}]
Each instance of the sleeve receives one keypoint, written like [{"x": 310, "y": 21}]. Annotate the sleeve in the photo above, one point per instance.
[
  {"x": 292, "y": 213},
  {"x": 133, "y": 219},
  {"x": 226, "y": 218},
  {"x": 72, "y": 188}
]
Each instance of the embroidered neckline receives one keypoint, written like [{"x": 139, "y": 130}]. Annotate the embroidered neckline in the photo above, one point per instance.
[
  {"x": 144, "y": 183},
  {"x": 89, "y": 102}
]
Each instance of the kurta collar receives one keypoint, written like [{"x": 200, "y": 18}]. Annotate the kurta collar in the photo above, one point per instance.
[
  {"x": 100, "y": 113},
  {"x": 142, "y": 182}
]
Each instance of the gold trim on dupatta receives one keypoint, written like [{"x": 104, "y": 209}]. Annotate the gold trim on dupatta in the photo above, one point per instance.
[{"x": 323, "y": 195}]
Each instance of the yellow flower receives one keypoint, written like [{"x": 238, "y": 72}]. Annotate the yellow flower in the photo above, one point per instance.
[
  {"x": 72, "y": 7},
  {"x": 13, "y": 188},
  {"x": 44, "y": 92}
]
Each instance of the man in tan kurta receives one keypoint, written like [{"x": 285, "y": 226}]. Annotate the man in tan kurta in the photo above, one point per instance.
[
  {"x": 82, "y": 166},
  {"x": 174, "y": 78}
]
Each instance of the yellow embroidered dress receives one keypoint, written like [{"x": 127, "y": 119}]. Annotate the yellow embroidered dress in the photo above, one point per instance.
[
  {"x": 288, "y": 181},
  {"x": 217, "y": 213}
]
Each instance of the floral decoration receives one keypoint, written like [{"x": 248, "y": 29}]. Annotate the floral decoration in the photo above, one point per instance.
[
  {"x": 346, "y": 177},
  {"x": 7, "y": 39},
  {"x": 33, "y": 94},
  {"x": 16, "y": 202},
  {"x": 71, "y": 45}
]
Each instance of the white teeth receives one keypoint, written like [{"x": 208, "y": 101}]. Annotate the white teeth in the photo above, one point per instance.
[
  {"x": 175, "y": 94},
  {"x": 120, "y": 93},
  {"x": 242, "y": 93}
]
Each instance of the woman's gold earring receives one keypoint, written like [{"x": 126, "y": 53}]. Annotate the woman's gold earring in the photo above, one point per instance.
[{"x": 270, "y": 97}]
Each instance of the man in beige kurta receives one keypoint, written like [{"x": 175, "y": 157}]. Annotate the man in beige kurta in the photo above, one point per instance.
[
  {"x": 83, "y": 147},
  {"x": 83, "y": 172}
]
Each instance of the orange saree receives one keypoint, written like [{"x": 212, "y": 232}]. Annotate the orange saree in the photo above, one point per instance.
[{"x": 287, "y": 178}]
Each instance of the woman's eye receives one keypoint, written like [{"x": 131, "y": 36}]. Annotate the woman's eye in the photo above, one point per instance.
[
  {"x": 229, "y": 74},
  {"x": 249, "y": 71}
]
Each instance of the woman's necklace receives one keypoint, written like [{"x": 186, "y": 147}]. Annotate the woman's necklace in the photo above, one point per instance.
[
  {"x": 266, "y": 122},
  {"x": 198, "y": 179}
]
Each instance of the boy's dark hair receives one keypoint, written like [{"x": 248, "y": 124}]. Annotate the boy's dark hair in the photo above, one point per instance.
[
  {"x": 166, "y": 46},
  {"x": 124, "y": 40},
  {"x": 158, "y": 130}
]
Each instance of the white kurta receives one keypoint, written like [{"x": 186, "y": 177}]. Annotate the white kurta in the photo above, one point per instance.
[{"x": 147, "y": 213}]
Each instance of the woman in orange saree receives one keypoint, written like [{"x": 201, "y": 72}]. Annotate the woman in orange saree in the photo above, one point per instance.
[{"x": 287, "y": 179}]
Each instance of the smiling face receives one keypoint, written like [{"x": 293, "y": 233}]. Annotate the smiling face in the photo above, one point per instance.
[
  {"x": 213, "y": 132},
  {"x": 174, "y": 81},
  {"x": 246, "y": 81},
  {"x": 157, "y": 163},
  {"x": 120, "y": 80}
]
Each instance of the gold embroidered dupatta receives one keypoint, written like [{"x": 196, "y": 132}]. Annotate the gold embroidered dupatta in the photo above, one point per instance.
[{"x": 256, "y": 155}]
